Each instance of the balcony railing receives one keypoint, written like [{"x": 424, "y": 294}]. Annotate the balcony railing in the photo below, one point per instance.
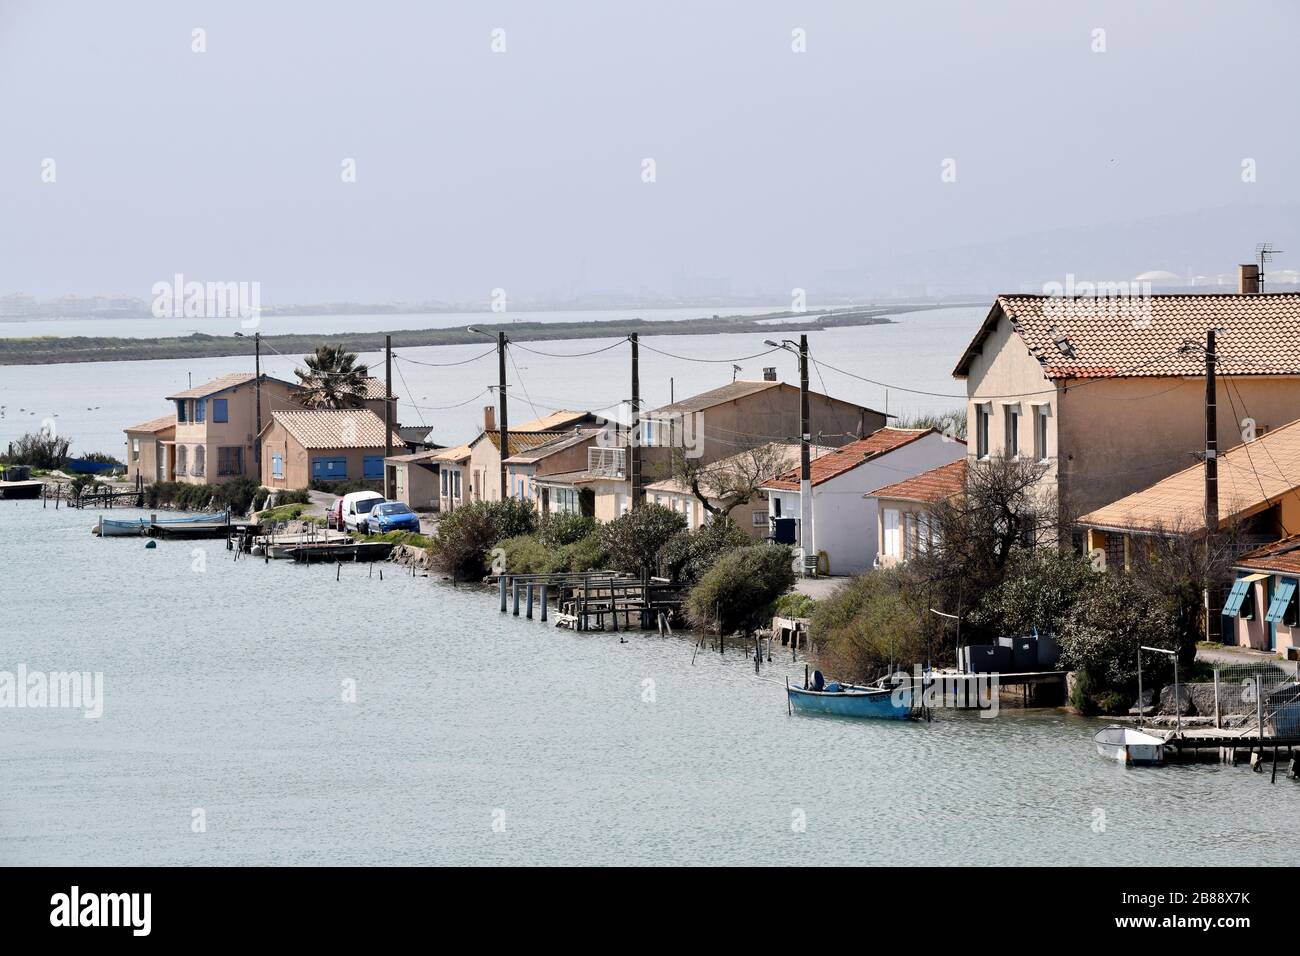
[{"x": 607, "y": 462}]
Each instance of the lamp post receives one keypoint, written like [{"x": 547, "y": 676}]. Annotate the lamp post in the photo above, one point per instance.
[{"x": 807, "y": 539}]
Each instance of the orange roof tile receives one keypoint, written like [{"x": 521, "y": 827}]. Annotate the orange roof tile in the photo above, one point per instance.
[
  {"x": 154, "y": 425},
  {"x": 1156, "y": 335},
  {"x": 847, "y": 457},
  {"x": 221, "y": 384},
  {"x": 1282, "y": 556},
  {"x": 936, "y": 484},
  {"x": 335, "y": 428}
]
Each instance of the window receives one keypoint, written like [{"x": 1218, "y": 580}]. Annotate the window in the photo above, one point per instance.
[
  {"x": 982, "y": 415},
  {"x": 135, "y": 449},
  {"x": 220, "y": 410},
  {"x": 1233, "y": 605},
  {"x": 648, "y": 433},
  {"x": 277, "y": 465},
  {"x": 443, "y": 475},
  {"x": 759, "y": 519},
  {"x": 776, "y": 507},
  {"x": 182, "y": 456},
  {"x": 230, "y": 461},
  {"x": 372, "y": 466},
  {"x": 200, "y": 456},
  {"x": 180, "y": 411},
  {"x": 329, "y": 468},
  {"x": 909, "y": 536},
  {"x": 455, "y": 485},
  {"x": 891, "y": 533},
  {"x": 1283, "y": 606},
  {"x": 201, "y": 410},
  {"x": 1040, "y": 431},
  {"x": 1012, "y": 438}
]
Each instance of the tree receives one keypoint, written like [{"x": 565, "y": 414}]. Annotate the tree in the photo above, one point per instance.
[
  {"x": 332, "y": 379},
  {"x": 691, "y": 553},
  {"x": 872, "y": 625},
  {"x": 720, "y": 486},
  {"x": 1037, "y": 594},
  {"x": 951, "y": 423},
  {"x": 738, "y": 592},
  {"x": 42, "y": 449},
  {"x": 635, "y": 541},
  {"x": 465, "y": 537}
]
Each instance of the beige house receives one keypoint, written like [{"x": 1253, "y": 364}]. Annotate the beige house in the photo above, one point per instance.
[
  {"x": 325, "y": 445},
  {"x": 564, "y": 452},
  {"x": 903, "y": 511},
  {"x": 453, "y": 477},
  {"x": 149, "y": 450},
  {"x": 216, "y": 426},
  {"x": 1109, "y": 393},
  {"x": 1261, "y": 610},
  {"x": 416, "y": 479},
  {"x": 485, "y": 450},
  {"x": 751, "y": 516},
  {"x": 601, "y": 490}
]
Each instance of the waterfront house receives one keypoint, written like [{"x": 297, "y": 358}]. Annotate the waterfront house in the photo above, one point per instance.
[
  {"x": 736, "y": 470},
  {"x": 560, "y": 453},
  {"x": 485, "y": 450},
  {"x": 149, "y": 447},
  {"x": 903, "y": 510},
  {"x": 416, "y": 478},
  {"x": 453, "y": 471},
  {"x": 843, "y": 536},
  {"x": 1259, "y": 498},
  {"x": 1261, "y": 608},
  {"x": 216, "y": 426},
  {"x": 1109, "y": 392},
  {"x": 324, "y": 445},
  {"x": 714, "y": 424},
  {"x": 600, "y": 490}
]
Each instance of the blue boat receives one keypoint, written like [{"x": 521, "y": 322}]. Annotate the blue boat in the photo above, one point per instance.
[
  {"x": 850, "y": 700},
  {"x": 84, "y": 466},
  {"x": 126, "y": 527}
]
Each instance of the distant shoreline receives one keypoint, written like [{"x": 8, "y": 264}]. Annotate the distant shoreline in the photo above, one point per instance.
[{"x": 52, "y": 350}]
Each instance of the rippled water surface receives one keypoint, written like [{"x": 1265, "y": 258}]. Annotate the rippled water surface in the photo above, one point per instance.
[{"x": 223, "y": 684}]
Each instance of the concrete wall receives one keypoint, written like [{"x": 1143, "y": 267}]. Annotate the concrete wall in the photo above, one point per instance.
[
  {"x": 416, "y": 484},
  {"x": 297, "y": 460},
  {"x": 917, "y": 511},
  {"x": 687, "y": 504},
  {"x": 146, "y": 463}
]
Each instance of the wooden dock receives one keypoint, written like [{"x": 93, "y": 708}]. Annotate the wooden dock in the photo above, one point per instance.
[
  {"x": 593, "y": 600},
  {"x": 32, "y": 488}
]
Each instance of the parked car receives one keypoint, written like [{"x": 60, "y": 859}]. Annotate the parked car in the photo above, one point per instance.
[
  {"x": 392, "y": 516},
  {"x": 356, "y": 506},
  {"x": 334, "y": 517}
]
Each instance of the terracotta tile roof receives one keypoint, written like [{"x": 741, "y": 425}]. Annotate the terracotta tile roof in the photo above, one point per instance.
[
  {"x": 335, "y": 428},
  {"x": 937, "y": 484},
  {"x": 555, "y": 421},
  {"x": 521, "y": 442},
  {"x": 1283, "y": 556},
  {"x": 1141, "y": 336},
  {"x": 733, "y": 391},
  {"x": 154, "y": 425},
  {"x": 459, "y": 453},
  {"x": 221, "y": 384},
  {"x": 847, "y": 457},
  {"x": 1251, "y": 477},
  {"x": 555, "y": 442}
]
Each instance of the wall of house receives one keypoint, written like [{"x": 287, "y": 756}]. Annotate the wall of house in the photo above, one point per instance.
[
  {"x": 297, "y": 468},
  {"x": 239, "y": 431},
  {"x": 146, "y": 463},
  {"x": 485, "y": 467},
  {"x": 416, "y": 484},
  {"x": 1111, "y": 437},
  {"x": 454, "y": 472},
  {"x": 918, "y": 512},
  {"x": 687, "y": 504}
]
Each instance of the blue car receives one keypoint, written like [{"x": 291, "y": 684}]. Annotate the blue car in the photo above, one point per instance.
[{"x": 392, "y": 516}]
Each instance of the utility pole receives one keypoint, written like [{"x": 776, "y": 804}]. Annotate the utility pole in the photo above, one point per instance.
[
  {"x": 806, "y": 538},
  {"x": 388, "y": 413},
  {"x": 501, "y": 407},
  {"x": 634, "y": 444},
  {"x": 1213, "y": 621},
  {"x": 257, "y": 392}
]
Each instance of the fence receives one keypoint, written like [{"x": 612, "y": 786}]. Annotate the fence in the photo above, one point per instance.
[{"x": 1246, "y": 697}]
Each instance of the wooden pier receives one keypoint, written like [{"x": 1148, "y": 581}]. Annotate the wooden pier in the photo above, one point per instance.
[{"x": 594, "y": 600}]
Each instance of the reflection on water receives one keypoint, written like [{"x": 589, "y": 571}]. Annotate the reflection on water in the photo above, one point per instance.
[{"x": 224, "y": 683}]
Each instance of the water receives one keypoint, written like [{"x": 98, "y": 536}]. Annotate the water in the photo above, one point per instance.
[
  {"x": 223, "y": 692},
  {"x": 93, "y": 402}
]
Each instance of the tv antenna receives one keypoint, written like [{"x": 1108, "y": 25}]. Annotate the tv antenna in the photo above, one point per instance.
[{"x": 1264, "y": 252}]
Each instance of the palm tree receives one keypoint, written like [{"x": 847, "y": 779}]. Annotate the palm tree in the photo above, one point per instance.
[{"x": 332, "y": 379}]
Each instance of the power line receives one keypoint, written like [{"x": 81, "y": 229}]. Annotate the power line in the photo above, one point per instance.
[
  {"x": 613, "y": 345},
  {"x": 688, "y": 358},
  {"x": 491, "y": 351}
]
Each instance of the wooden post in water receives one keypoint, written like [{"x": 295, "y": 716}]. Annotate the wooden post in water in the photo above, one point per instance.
[
  {"x": 514, "y": 587},
  {"x": 543, "y": 596},
  {"x": 501, "y": 586},
  {"x": 529, "y": 610}
]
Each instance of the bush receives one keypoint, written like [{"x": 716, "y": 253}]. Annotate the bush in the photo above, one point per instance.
[
  {"x": 281, "y": 513},
  {"x": 466, "y": 535},
  {"x": 868, "y": 627},
  {"x": 635, "y": 542},
  {"x": 1038, "y": 593},
  {"x": 794, "y": 604},
  {"x": 40, "y": 450},
  {"x": 1100, "y": 640},
  {"x": 557, "y": 530},
  {"x": 409, "y": 538},
  {"x": 738, "y": 592},
  {"x": 342, "y": 488},
  {"x": 525, "y": 554},
  {"x": 236, "y": 495},
  {"x": 689, "y": 554},
  {"x": 585, "y": 555}
]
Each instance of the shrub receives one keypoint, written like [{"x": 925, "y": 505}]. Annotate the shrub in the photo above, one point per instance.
[
  {"x": 794, "y": 604},
  {"x": 466, "y": 535},
  {"x": 40, "y": 450},
  {"x": 557, "y": 530},
  {"x": 281, "y": 513},
  {"x": 236, "y": 495},
  {"x": 587, "y": 554},
  {"x": 341, "y": 488},
  {"x": 1038, "y": 593},
  {"x": 868, "y": 627},
  {"x": 635, "y": 542},
  {"x": 738, "y": 592},
  {"x": 689, "y": 554},
  {"x": 525, "y": 554}
]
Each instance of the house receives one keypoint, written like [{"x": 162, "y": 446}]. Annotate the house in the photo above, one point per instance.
[
  {"x": 1261, "y": 609},
  {"x": 903, "y": 511},
  {"x": 217, "y": 424},
  {"x": 485, "y": 450},
  {"x": 751, "y": 516},
  {"x": 1109, "y": 392},
  {"x": 149, "y": 449},
  {"x": 453, "y": 476},
  {"x": 601, "y": 490},
  {"x": 843, "y": 536},
  {"x": 564, "y": 452},
  {"x": 711, "y": 425},
  {"x": 306, "y": 445},
  {"x": 1259, "y": 495},
  {"x": 416, "y": 479}
]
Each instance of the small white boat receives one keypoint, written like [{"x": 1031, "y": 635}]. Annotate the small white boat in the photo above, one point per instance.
[{"x": 1130, "y": 746}]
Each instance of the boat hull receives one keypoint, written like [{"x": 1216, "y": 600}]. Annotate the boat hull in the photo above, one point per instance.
[
  {"x": 871, "y": 703},
  {"x": 1131, "y": 747},
  {"x": 128, "y": 527}
]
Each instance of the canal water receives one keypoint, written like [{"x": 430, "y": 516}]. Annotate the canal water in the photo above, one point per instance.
[{"x": 478, "y": 738}]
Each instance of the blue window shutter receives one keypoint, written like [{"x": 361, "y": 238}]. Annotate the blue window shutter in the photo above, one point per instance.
[
  {"x": 220, "y": 410},
  {"x": 180, "y": 410},
  {"x": 200, "y": 409},
  {"x": 277, "y": 466},
  {"x": 1232, "y": 606},
  {"x": 373, "y": 466},
  {"x": 1281, "y": 598}
]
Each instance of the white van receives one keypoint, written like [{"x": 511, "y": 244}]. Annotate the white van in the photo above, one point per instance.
[{"x": 356, "y": 506}]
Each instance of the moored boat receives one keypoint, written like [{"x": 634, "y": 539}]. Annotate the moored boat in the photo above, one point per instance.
[
  {"x": 126, "y": 527},
  {"x": 1130, "y": 746},
  {"x": 850, "y": 700}
]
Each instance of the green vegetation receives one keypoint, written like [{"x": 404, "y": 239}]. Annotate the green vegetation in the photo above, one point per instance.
[
  {"x": 465, "y": 537},
  {"x": 341, "y": 488},
  {"x": 281, "y": 513},
  {"x": 409, "y": 538},
  {"x": 689, "y": 554},
  {"x": 39, "y": 449},
  {"x": 332, "y": 379},
  {"x": 236, "y": 496},
  {"x": 794, "y": 605},
  {"x": 299, "y": 496},
  {"x": 873, "y": 624},
  {"x": 738, "y": 592},
  {"x": 637, "y": 542}
]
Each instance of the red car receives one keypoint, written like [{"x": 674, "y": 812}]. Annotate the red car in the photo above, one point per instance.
[{"x": 334, "y": 517}]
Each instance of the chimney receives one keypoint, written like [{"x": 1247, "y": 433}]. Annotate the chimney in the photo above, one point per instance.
[
  {"x": 1247, "y": 278},
  {"x": 489, "y": 418},
  {"x": 769, "y": 374}
]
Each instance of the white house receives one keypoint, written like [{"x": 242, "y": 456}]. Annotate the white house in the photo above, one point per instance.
[{"x": 844, "y": 535}]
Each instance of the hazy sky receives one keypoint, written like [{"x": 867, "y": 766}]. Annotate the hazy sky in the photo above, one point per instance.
[{"x": 524, "y": 169}]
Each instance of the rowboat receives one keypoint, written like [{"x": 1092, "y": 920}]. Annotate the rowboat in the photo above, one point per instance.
[
  {"x": 850, "y": 700},
  {"x": 1130, "y": 746},
  {"x": 125, "y": 527}
]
